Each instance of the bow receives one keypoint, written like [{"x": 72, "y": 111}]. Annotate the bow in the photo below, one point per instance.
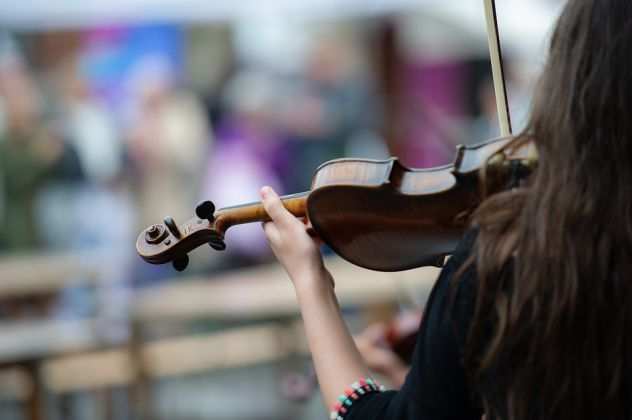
[{"x": 498, "y": 74}]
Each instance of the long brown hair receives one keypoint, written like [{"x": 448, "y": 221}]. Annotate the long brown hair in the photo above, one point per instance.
[{"x": 554, "y": 258}]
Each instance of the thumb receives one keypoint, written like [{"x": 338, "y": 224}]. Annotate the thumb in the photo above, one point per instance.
[{"x": 274, "y": 207}]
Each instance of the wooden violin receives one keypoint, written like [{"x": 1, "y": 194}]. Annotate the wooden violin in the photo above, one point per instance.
[{"x": 378, "y": 215}]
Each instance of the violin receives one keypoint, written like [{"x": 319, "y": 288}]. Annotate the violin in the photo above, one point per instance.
[{"x": 379, "y": 215}]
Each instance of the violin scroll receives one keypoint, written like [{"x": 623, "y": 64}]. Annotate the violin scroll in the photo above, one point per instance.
[{"x": 169, "y": 241}]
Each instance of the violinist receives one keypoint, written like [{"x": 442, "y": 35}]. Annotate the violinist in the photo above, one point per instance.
[{"x": 531, "y": 316}]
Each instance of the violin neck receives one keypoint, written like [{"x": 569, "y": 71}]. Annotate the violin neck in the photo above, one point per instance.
[{"x": 254, "y": 212}]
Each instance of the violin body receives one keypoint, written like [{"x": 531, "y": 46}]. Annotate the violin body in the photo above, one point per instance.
[
  {"x": 353, "y": 200},
  {"x": 378, "y": 215}
]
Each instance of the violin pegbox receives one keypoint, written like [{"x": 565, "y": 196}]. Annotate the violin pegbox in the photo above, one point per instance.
[
  {"x": 206, "y": 210},
  {"x": 168, "y": 241}
]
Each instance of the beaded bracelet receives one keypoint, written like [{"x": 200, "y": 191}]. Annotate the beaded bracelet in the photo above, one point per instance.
[{"x": 355, "y": 392}]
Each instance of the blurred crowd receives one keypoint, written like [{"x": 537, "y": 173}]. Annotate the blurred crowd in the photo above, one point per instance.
[
  {"x": 85, "y": 168},
  {"x": 104, "y": 132}
]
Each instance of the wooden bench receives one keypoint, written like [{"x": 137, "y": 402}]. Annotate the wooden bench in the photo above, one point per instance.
[
  {"x": 28, "y": 285},
  {"x": 32, "y": 275},
  {"x": 267, "y": 293},
  {"x": 258, "y": 294}
]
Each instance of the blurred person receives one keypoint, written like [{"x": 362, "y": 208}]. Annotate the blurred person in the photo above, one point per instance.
[
  {"x": 529, "y": 318},
  {"x": 168, "y": 139},
  {"x": 249, "y": 148},
  {"x": 88, "y": 126},
  {"x": 88, "y": 130},
  {"x": 330, "y": 106},
  {"x": 70, "y": 209},
  {"x": 32, "y": 152}
]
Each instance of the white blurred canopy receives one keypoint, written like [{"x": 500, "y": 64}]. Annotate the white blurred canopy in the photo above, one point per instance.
[{"x": 524, "y": 24}]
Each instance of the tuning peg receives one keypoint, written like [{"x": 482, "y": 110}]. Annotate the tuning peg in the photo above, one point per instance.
[
  {"x": 206, "y": 210},
  {"x": 217, "y": 245},
  {"x": 172, "y": 226},
  {"x": 216, "y": 241},
  {"x": 181, "y": 263}
]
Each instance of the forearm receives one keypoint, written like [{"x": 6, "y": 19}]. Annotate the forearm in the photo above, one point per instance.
[{"x": 336, "y": 359}]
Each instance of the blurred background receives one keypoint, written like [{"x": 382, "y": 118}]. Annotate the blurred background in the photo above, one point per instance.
[{"x": 115, "y": 114}]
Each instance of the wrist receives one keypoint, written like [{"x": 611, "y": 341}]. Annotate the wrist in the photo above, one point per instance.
[{"x": 315, "y": 283}]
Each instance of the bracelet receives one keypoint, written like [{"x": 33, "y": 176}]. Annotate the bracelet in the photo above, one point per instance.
[{"x": 355, "y": 392}]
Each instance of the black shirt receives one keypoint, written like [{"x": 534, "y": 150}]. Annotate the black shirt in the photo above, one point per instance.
[{"x": 436, "y": 387}]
